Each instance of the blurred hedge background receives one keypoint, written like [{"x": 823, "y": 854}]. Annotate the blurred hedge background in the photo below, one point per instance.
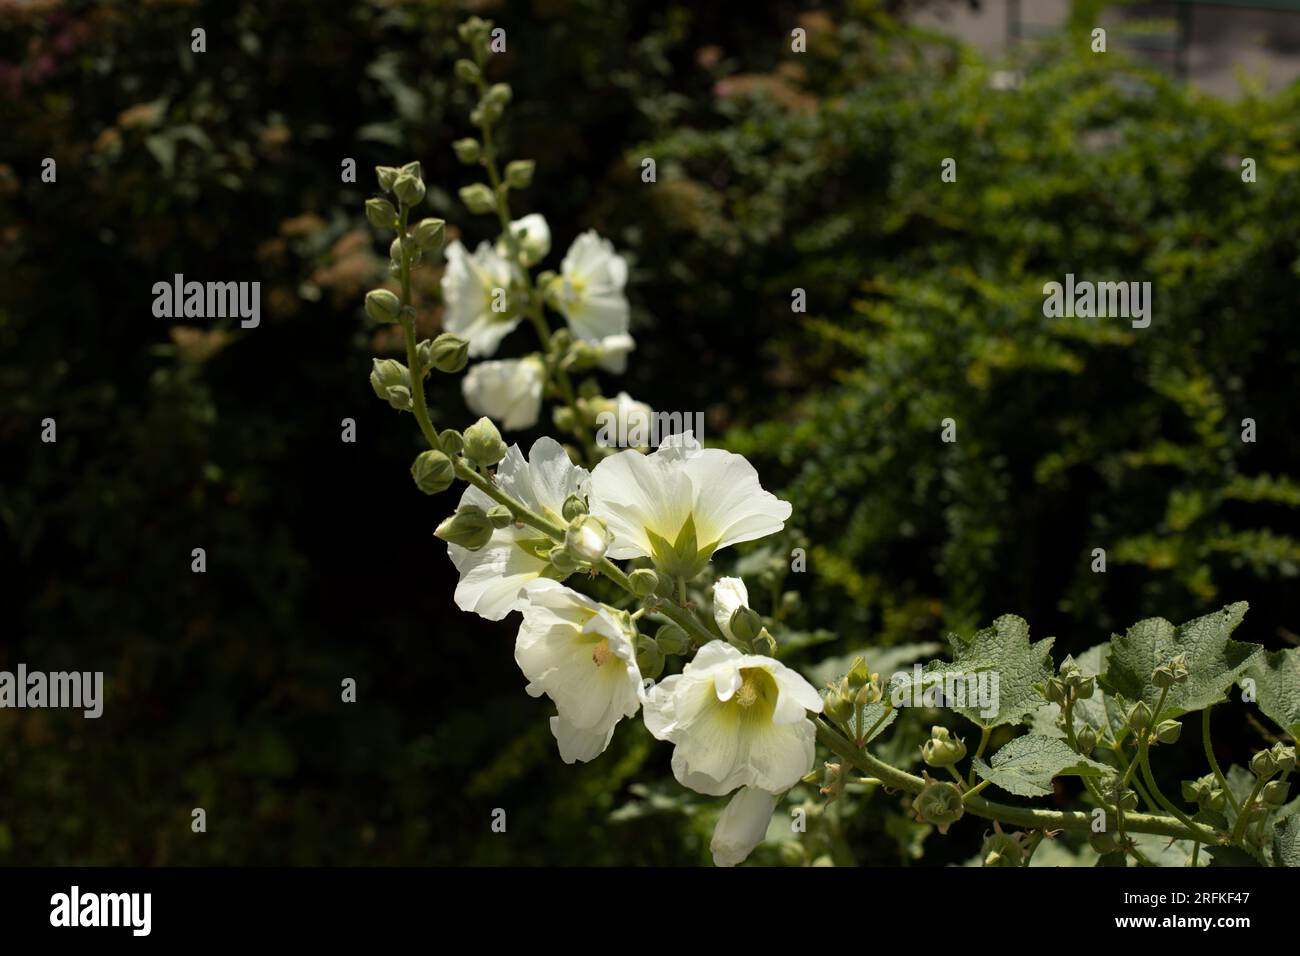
[{"x": 775, "y": 171}]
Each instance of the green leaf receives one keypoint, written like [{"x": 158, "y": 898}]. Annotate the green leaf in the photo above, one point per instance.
[
  {"x": 1002, "y": 653},
  {"x": 1277, "y": 687},
  {"x": 1214, "y": 660},
  {"x": 1027, "y": 765},
  {"x": 1286, "y": 841}
]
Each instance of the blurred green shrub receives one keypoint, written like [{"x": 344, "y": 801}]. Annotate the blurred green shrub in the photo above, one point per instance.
[{"x": 926, "y": 302}]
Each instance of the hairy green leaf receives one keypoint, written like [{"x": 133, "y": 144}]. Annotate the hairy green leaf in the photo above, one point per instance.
[
  {"x": 1286, "y": 841},
  {"x": 1277, "y": 687},
  {"x": 1027, "y": 765},
  {"x": 998, "y": 657},
  {"x": 1214, "y": 660}
]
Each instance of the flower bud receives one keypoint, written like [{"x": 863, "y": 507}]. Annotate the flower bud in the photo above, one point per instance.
[
  {"x": 1263, "y": 764},
  {"x": 467, "y": 71},
  {"x": 1275, "y": 792},
  {"x": 836, "y": 707},
  {"x": 1283, "y": 757},
  {"x": 478, "y": 198},
  {"x": 649, "y": 658},
  {"x": 382, "y": 305},
  {"x": 745, "y": 623},
  {"x": 1003, "y": 849},
  {"x": 1128, "y": 799},
  {"x": 644, "y": 581},
  {"x": 939, "y": 803},
  {"x": 1054, "y": 690},
  {"x": 519, "y": 173},
  {"x": 764, "y": 643},
  {"x": 433, "y": 472},
  {"x": 448, "y": 353},
  {"x": 562, "y": 415},
  {"x": 387, "y": 175},
  {"x": 859, "y": 674},
  {"x": 499, "y": 94},
  {"x": 942, "y": 749},
  {"x": 428, "y": 233},
  {"x": 409, "y": 189},
  {"x": 560, "y": 559},
  {"x": 671, "y": 638},
  {"x": 469, "y": 528},
  {"x": 500, "y": 516},
  {"x": 1170, "y": 674},
  {"x": 451, "y": 441},
  {"x": 574, "y": 507},
  {"x": 392, "y": 382},
  {"x": 1086, "y": 738},
  {"x": 1168, "y": 731},
  {"x": 483, "y": 444},
  {"x": 587, "y": 539},
  {"x": 1085, "y": 688},
  {"x": 870, "y": 692},
  {"x": 467, "y": 150},
  {"x": 381, "y": 214},
  {"x": 1140, "y": 717},
  {"x": 1216, "y": 800}
]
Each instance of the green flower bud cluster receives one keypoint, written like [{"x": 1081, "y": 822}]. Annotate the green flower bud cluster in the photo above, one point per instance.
[
  {"x": 1277, "y": 759},
  {"x": 1003, "y": 849},
  {"x": 392, "y": 382},
  {"x": 405, "y": 182},
  {"x": 939, "y": 803},
  {"x": 1069, "y": 684},
  {"x": 1205, "y": 793},
  {"x": 942, "y": 749},
  {"x": 858, "y": 688},
  {"x": 1171, "y": 674}
]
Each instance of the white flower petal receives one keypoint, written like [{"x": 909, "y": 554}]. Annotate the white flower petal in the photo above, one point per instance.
[
  {"x": 577, "y": 744},
  {"x": 742, "y": 826},
  {"x": 507, "y": 391}
]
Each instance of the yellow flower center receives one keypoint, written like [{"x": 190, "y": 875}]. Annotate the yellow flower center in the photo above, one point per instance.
[
  {"x": 601, "y": 653},
  {"x": 755, "y": 699}
]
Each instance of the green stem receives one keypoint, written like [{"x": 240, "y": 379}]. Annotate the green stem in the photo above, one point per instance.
[
  {"x": 1028, "y": 817},
  {"x": 1243, "y": 815},
  {"x": 1144, "y": 756},
  {"x": 1214, "y": 764}
]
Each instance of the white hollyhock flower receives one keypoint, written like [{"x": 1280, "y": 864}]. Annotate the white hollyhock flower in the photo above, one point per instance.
[
  {"x": 491, "y": 578},
  {"x": 577, "y": 653},
  {"x": 508, "y": 391},
  {"x": 738, "y": 720},
  {"x": 612, "y": 352},
  {"x": 682, "y": 503},
  {"x": 624, "y": 423},
  {"x": 728, "y": 595},
  {"x": 589, "y": 291},
  {"x": 534, "y": 238},
  {"x": 471, "y": 286},
  {"x": 742, "y": 826}
]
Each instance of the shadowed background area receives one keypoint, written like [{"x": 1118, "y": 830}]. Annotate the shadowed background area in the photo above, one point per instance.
[{"x": 775, "y": 171}]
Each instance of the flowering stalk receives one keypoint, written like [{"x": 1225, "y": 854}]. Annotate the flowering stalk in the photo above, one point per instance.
[{"x": 741, "y": 722}]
